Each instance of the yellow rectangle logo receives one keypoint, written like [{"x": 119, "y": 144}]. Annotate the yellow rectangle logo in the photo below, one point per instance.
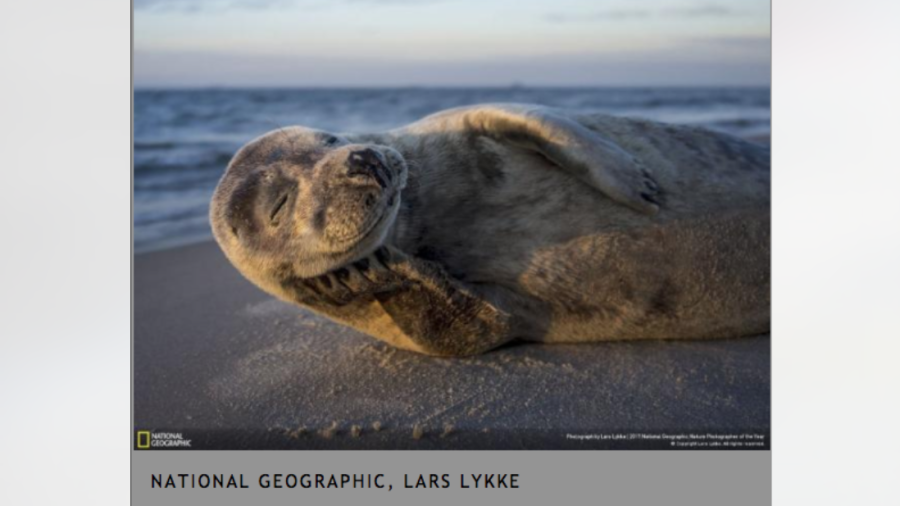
[{"x": 143, "y": 439}]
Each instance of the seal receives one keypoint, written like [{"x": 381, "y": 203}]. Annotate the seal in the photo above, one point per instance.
[{"x": 482, "y": 225}]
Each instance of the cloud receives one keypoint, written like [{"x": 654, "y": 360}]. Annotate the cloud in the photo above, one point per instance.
[
  {"x": 757, "y": 46},
  {"x": 611, "y": 14},
  {"x": 694, "y": 11},
  {"x": 693, "y": 62},
  {"x": 389, "y": 2},
  {"x": 700, "y": 11},
  {"x": 208, "y": 5},
  {"x": 226, "y": 5}
]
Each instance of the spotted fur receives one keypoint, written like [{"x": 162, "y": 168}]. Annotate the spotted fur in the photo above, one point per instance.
[{"x": 478, "y": 226}]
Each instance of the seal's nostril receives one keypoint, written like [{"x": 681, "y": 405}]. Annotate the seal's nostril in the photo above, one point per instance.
[{"x": 366, "y": 162}]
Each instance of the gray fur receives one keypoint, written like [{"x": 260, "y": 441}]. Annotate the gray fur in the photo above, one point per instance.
[{"x": 503, "y": 222}]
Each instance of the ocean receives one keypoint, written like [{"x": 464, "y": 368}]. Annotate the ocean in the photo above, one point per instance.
[{"x": 183, "y": 139}]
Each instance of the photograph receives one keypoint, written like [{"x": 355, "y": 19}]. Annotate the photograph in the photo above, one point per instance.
[
  {"x": 442, "y": 251},
  {"x": 451, "y": 225}
]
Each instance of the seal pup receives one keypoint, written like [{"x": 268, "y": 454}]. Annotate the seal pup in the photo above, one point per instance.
[{"x": 480, "y": 225}]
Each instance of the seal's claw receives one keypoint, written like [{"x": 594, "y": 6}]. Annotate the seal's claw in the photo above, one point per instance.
[
  {"x": 333, "y": 288},
  {"x": 328, "y": 290},
  {"x": 648, "y": 206},
  {"x": 362, "y": 265},
  {"x": 630, "y": 184},
  {"x": 353, "y": 279},
  {"x": 383, "y": 254},
  {"x": 375, "y": 273}
]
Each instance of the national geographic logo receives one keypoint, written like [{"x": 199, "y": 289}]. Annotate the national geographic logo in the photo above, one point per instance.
[{"x": 147, "y": 439}]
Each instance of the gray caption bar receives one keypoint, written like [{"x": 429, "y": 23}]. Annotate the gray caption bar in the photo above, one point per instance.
[{"x": 544, "y": 477}]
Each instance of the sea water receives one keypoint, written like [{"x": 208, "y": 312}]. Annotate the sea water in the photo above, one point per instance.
[{"x": 183, "y": 139}]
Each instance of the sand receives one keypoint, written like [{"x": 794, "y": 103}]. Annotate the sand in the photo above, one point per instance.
[{"x": 231, "y": 367}]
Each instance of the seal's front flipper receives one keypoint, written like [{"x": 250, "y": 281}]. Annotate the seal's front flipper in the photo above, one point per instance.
[
  {"x": 351, "y": 283},
  {"x": 604, "y": 165},
  {"x": 443, "y": 316},
  {"x": 416, "y": 305},
  {"x": 587, "y": 155}
]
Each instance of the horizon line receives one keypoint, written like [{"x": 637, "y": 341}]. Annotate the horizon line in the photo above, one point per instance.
[{"x": 199, "y": 87}]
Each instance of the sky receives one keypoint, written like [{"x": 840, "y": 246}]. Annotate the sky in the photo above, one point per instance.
[{"x": 375, "y": 43}]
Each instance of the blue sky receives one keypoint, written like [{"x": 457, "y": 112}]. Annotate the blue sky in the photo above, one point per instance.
[{"x": 451, "y": 42}]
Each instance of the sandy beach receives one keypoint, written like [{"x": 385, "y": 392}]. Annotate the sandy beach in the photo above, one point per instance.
[{"x": 231, "y": 367}]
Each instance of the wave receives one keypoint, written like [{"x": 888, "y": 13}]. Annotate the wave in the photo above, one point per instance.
[{"x": 184, "y": 139}]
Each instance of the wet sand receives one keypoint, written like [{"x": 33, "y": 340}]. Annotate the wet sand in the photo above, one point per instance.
[{"x": 231, "y": 367}]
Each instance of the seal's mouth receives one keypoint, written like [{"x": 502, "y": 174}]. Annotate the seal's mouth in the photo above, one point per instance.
[
  {"x": 387, "y": 169},
  {"x": 373, "y": 223}
]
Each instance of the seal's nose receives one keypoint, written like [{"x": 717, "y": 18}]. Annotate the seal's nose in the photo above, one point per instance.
[{"x": 367, "y": 162}]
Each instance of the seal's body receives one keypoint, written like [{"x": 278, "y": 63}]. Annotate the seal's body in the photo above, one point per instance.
[{"x": 480, "y": 225}]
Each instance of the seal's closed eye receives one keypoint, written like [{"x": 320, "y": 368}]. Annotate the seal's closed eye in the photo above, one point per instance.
[{"x": 278, "y": 207}]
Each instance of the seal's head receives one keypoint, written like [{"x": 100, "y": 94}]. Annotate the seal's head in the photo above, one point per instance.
[{"x": 298, "y": 202}]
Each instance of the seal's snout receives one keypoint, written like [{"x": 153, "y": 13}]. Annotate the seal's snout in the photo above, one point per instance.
[{"x": 369, "y": 163}]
